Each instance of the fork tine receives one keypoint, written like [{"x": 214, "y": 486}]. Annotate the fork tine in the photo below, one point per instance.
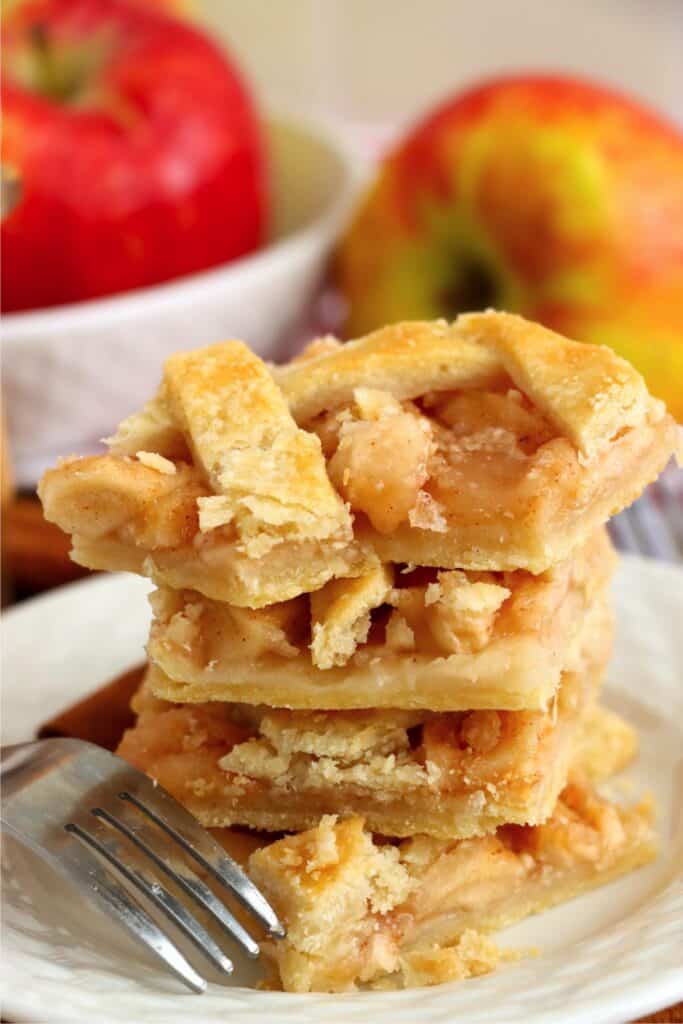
[
  {"x": 78, "y": 864},
  {"x": 200, "y": 845},
  {"x": 104, "y": 841},
  {"x": 145, "y": 839}
]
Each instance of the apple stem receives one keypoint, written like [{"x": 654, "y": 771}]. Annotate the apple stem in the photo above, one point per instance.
[
  {"x": 11, "y": 190},
  {"x": 44, "y": 59},
  {"x": 53, "y": 75}
]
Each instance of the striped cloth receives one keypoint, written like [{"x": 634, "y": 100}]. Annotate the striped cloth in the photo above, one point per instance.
[{"x": 653, "y": 526}]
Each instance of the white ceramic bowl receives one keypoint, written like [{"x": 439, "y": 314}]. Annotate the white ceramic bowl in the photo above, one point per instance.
[{"x": 71, "y": 373}]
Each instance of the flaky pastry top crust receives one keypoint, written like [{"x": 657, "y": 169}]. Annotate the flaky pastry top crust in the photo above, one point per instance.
[
  {"x": 268, "y": 477},
  {"x": 586, "y": 391}
]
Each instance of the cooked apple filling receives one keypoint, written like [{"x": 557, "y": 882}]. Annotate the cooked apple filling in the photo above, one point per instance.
[
  {"x": 361, "y": 910},
  {"x": 490, "y": 444},
  {"x": 402, "y": 462},
  {"x": 392, "y": 637}
]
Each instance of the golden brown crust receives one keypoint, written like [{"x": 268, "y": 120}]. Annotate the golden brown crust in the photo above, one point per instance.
[
  {"x": 103, "y": 495},
  {"x": 340, "y": 615},
  {"x": 405, "y": 359},
  {"x": 152, "y": 429},
  {"x": 267, "y": 475},
  {"x": 357, "y": 529},
  {"x": 588, "y": 392},
  {"x": 215, "y": 566}
]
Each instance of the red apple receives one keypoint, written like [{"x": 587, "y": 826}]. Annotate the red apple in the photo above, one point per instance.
[
  {"x": 544, "y": 195},
  {"x": 137, "y": 148}
]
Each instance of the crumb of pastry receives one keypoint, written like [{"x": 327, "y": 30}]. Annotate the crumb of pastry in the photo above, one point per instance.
[
  {"x": 155, "y": 461},
  {"x": 340, "y": 614},
  {"x": 427, "y": 514},
  {"x": 472, "y": 955}
]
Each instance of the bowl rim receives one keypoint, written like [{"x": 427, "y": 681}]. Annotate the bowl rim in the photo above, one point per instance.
[{"x": 179, "y": 289}]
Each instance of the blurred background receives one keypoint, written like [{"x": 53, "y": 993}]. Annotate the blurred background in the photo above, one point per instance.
[
  {"x": 370, "y": 67},
  {"x": 330, "y": 156}
]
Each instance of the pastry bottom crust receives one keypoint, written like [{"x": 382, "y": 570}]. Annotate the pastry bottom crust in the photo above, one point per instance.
[
  {"x": 218, "y": 799},
  {"x": 452, "y": 775},
  {"x": 206, "y": 652},
  {"x": 224, "y": 573},
  {"x": 360, "y": 910},
  {"x": 520, "y": 676}
]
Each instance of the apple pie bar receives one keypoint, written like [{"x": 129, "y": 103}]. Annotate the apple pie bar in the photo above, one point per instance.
[
  {"x": 489, "y": 444},
  {"x": 360, "y": 909},
  {"x": 446, "y": 640},
  {"x": 450, "y": 774}
]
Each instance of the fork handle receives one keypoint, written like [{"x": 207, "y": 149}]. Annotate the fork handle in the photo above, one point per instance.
[
  {"x": 22, "y": 763},
  {"x": 14, "y": 754},
  {"x": 13, "y": 758}
]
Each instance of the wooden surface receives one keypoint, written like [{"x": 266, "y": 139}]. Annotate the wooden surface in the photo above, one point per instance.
[
  {"x": 35, "y": 554},
  {"x": 674, "y": 1015}
]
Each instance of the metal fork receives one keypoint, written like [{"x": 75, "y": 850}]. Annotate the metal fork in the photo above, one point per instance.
[{"x": 94, "y": 818}]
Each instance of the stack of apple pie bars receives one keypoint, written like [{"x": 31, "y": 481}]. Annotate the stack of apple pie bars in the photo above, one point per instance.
[{"x": 380, "y": 627}]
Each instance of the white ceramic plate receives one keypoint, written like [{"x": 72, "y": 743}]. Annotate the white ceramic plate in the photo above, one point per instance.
[{"x": 610, "y": 956}]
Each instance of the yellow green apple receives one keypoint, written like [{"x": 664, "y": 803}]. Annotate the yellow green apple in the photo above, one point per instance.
[{"x": 544, "y": 195}]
